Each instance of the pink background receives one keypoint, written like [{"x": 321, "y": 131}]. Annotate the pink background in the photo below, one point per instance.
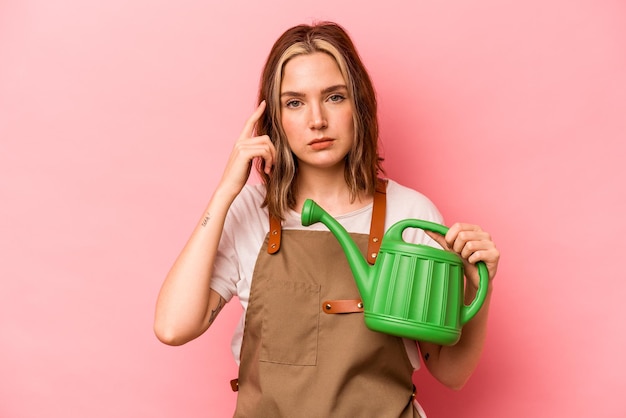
[{"x": 116, "y": 119}]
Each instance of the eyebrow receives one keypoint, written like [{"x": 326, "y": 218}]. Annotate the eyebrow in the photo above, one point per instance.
[{"x": 327, "y": 90}]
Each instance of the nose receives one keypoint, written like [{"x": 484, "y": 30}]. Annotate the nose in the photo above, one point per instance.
[{"x": 317, "y": 117}]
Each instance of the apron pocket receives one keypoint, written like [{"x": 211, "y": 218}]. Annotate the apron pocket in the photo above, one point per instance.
[{"x": 290, "y": 323}]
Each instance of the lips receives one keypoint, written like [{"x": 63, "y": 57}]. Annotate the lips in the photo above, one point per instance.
[
  {"x": 317, "y": 140},
  {"x": 321, "y": 143}
]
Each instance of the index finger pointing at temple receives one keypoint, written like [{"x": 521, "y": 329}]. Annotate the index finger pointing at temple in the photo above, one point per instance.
[{"x": 248, "y": 130}]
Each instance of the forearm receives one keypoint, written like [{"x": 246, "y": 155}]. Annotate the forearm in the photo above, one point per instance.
[
  {"x": 453, "y": 365},
  {"x": 185, "y": 305}
]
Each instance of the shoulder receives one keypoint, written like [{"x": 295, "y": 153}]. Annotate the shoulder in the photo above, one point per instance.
[
  {"x": 247, "y": 212},
  {"x": 249, "y": 201},
  {"x": 404, "y": 202}
]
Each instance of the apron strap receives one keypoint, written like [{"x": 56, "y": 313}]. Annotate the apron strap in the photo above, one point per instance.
[
  {"x": 377, "y": 226},
  {"x": 342, "y": 306},
  {"x": 273, "y": 244}
]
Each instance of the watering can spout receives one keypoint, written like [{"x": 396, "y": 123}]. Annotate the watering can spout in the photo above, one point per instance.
[{"x": 313, "y": 213}]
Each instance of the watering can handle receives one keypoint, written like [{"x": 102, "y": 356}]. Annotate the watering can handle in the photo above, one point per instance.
[{"x": 467, "y": 311}]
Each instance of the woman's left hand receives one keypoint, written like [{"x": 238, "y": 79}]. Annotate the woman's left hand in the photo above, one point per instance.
[{"x": 473, "y": 245}]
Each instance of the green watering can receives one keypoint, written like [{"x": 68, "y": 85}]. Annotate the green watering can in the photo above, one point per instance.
[{"x": 413, "y": 291}]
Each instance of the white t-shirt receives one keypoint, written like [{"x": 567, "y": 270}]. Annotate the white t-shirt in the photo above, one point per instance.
[{"x": 247, "y": 224}]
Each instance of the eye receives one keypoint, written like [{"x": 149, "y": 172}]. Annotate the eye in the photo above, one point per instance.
[
  {"x": 336, "y": 98},
  {"x": 292, "y": 104}
]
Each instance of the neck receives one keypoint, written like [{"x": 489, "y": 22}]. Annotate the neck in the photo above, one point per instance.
[{"x": 328, "y": 189}]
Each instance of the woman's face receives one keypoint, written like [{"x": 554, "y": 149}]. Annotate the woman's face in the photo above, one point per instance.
[{"x": 316, "y": 111}]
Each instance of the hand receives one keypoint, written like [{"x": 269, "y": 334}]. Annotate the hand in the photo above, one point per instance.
[
  {"x": 473, "y": 245},
  {"x": 246, "y": 149}
]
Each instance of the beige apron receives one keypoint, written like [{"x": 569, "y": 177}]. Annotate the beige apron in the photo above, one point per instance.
[{"x": 299, "y": 360}]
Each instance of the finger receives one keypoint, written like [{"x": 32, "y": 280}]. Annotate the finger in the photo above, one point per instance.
[
  {"x": 459, "y": 234},
  {"x": 474, "y": 251},
  {"x": 466, "y": 244},
  {"x": 248, "y": 129},
  {"x": 258, "y": 147},
  {"x": 269, "y": 156},
  {"x": 488, "y": 256},
  {"x": 269, "y": 163},
  {"x": 439, "y": 239},
  {"x": 255, "y": 147}
]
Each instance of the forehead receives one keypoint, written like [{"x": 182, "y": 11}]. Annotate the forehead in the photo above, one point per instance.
[{"x": 311, "y": 71}]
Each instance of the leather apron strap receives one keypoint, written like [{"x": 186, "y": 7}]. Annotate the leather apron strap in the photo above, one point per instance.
[
  {"x": 377, "y": 226},
  {"x": 273, "y": 244}
]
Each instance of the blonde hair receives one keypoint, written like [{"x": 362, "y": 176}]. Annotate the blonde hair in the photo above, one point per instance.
[{"x": 363, "y": 161}]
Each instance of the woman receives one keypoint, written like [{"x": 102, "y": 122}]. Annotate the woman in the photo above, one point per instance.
[{"x": 314, "y": 136}]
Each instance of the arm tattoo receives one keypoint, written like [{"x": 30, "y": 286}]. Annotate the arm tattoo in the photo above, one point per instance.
[
  {"x": 426, "y": 356},
  {"x": 218, "y": 308},
  {"x": 206, "y": 219}
]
